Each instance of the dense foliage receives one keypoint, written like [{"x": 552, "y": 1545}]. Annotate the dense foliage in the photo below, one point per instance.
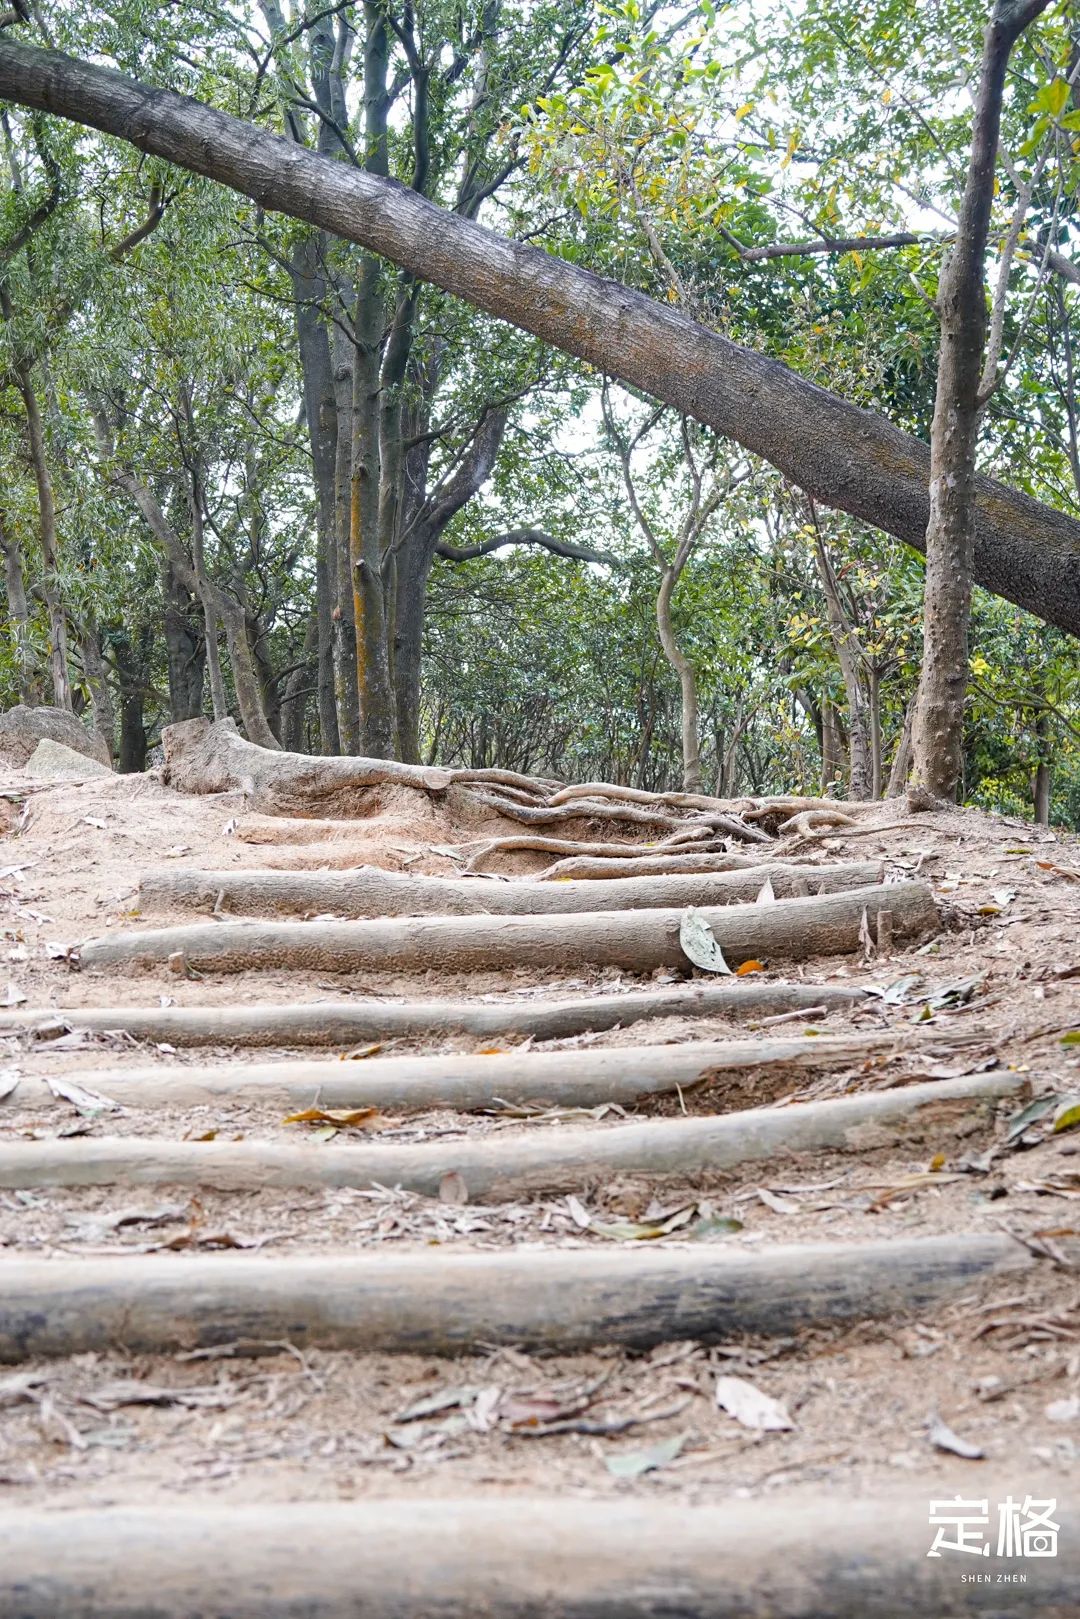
[{"x": 233, "y": 447}]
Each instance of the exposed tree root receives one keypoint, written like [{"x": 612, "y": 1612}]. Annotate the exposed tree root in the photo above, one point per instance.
[
  {"x": 447, "y": 1303},
  {"x": 585, "y": 809},
  {"x": 201, "y": 757},
  {"x": 808, "y": 821},
  {"x": 576, "y": 1078},
  {"x": 519, "y": 1557},
  {"x": 373, "y": 892},
  {"x": 503, "y": 1168},
  {"x": 638, "y": 941},
  {"x": 342, "y": 1023},
  {"x": 696, "y": 837}
]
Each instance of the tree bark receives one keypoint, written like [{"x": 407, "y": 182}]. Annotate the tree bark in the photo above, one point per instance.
[
  {"x": 846, "y": 457},
  {"x": 522, "y": 1556},
  {"x": 317, "y": 371},
  {"x": 327, "y": 1024},
  {"x": 938, "y": 731},
  {"x": 371, "y": 891},
  {"x": 500, "y": 1169},
  {"x": 446, "y": 1303},
  {"x": 1043, "y": 770},
  {"x": 50, "y": 553},
  {"x": 26, "y": 682},
  {"x": 637, "y": 941}
]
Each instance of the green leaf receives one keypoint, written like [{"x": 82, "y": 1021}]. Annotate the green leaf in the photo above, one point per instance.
[
  {"x": 632, "y": 1463},
  {"x": 1067, "y": 1116},
  {"x": 699, "y": 943}
]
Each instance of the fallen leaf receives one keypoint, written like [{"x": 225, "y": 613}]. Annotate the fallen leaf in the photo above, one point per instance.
[
  {"x": 767, "y": 894},
  {"x": 633, "y": 1463},
  {"x": 82, "y": 1100},
  {"x": 943, "y": 1438},
  {"x": 699, "y": 943},
  {"x": 452, "y": 1189},
  {"x": 8, "y": 1082},
  {"x": 895, "y": 994},
  {"x": 358, "y": 1053},
  {"x": 130, "y": 1391},
  {"x": 1067, "y": 1116},
  {"x": 714, "y": 1225},
  {"x": 19, "y": 1386},
  {"x": 579, "y": 1213},
  {"x": 431, "y": 1404},
  {"x": 750, "y": 1407},
  {"x": 342, "y": 1118},
  {"x": 778, "y": 1204},
  {"x": 1031, "y": 1114},
  {"x": 644, "y": 1230}
]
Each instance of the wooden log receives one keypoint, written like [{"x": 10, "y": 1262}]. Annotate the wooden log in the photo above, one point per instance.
[
  {"x": 602, "y": 867},
  {"x": 466, "y": 1082},
  {"x": 343, "y": 1023},
  {"x": 521, "y": 1556},
  {"x": 502, "y": 1168},
  {"x": 637, "y": 941},
  {"x": 447, "y": 1303},
  {"x": 370, "y": 891}
]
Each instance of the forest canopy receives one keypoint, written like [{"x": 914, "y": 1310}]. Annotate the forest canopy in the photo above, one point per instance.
[{"x": 253, "y": 469}]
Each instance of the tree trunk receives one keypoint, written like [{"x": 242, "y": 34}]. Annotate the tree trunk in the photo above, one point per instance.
[
  {"x": 50, "y": 579},
  {"x": 846, "y": 457},
  {"x": 26, "y": 682},
  {"x": 832, "y": 748},
  {"x": 1043, "y": 769},
  {"x": 320, "y": 411},
  {"x": 132, "y": 668},
  {"x": 849, "y": 656},
  {"x": 185, "y": 649},
  {"x": 938, "y": 731},
  {"x": 690, "y": 725},
  {"x": 97, "y": 680},
  {"x": 346, "y": 690},
  {"x": 901, "y": 765}
]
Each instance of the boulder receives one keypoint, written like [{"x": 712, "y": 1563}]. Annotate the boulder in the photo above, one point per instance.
[
  {"x": 22, "y": 728},
  {"x": 51, "y": 761}
]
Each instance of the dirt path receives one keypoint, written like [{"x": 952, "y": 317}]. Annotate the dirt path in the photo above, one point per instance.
[{"x": 923, "y": 1394}]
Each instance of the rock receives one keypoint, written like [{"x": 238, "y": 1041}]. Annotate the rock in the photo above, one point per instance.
[
  {"x": 22, "y": 728},
  {"x": 51, "y": 760}
]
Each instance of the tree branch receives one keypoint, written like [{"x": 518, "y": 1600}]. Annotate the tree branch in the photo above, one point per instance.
[{"x": 525, "y": 536}]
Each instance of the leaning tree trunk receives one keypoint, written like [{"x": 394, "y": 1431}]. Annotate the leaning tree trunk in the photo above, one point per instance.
[
  {"x": 938, "y": 732},
  {"x": 846, "y": 457}
]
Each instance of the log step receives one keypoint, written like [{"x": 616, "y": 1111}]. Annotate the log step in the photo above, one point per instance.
[
  {"x": 464, "y": 1082},
  {"x": 370, "y": 891},
  {"x": 343, "y": 1023},
  {"x": 526, "y": 1557},
  {"x": 502, "y": 1167},
  {"x": 637, "y": 941},
  {"x": 446, "y": 1303}
]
